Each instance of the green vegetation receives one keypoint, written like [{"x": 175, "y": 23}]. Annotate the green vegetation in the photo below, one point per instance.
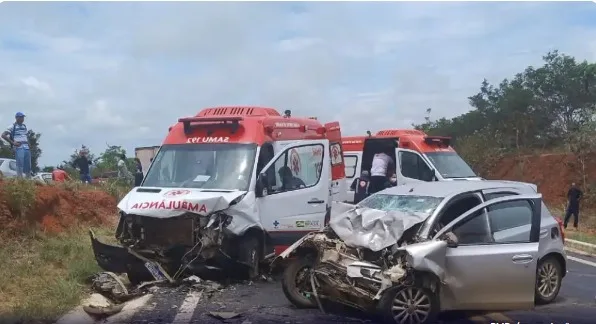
[
  {"x": 45, "y": 276},
  {"x": 550, "y": 108}
]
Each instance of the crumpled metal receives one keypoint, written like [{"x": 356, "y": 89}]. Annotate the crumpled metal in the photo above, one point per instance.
[{"x": 372, "y": 228}]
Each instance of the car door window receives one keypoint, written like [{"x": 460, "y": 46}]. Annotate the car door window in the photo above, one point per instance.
[
  {"x": 299, "y": 167},
  {"x": 413, "y": 166},
  {"x": 350, "y": 164},
  {"x": 505, "y": 222}
]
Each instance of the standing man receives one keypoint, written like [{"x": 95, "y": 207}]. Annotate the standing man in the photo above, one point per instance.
[
  {"x": 16, "y": 135},
  {"x": 123, "y": 172},
  {"x": 574, "y": 195},
  {"x": 82, "y": 163}
]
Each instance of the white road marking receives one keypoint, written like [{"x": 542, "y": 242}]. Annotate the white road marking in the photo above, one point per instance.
[
  {"x": 187, "y": 308},
  {"x": 590, "y": 263}
]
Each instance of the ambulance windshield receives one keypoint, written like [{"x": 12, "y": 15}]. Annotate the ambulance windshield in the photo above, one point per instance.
[
  {"x": 206, "y": 166},
  {"x": 450, "y": 165}
]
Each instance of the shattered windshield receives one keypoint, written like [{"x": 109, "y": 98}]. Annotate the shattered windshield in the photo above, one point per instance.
[
  {"x": 450, "y": 165},
  {"x": 207, "y": 166},
  {"x": 402, "y": 203}
]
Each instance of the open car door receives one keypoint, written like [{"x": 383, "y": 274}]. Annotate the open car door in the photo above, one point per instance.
[{"x": 493, "y": 266}]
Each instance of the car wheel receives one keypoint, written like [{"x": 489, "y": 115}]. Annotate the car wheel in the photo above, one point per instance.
[
  {"x": 409, "y": 304},
  {"x": 548, "y": 280},
  {"x": 296, "y": 285},
  {"x": 251, "y": 255}
]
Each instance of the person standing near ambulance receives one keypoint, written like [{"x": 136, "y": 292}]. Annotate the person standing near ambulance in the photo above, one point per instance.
[
  {"x": 382, "y": 165},
  {"x": 16, "y": 135}
]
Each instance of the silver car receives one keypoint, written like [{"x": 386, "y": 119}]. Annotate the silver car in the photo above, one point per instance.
[
  {"x": 8, "y": 168},
  {"x": 410, "y": 252}
]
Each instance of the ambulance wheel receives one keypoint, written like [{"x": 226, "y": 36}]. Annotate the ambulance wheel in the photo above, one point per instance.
[
  {"x": 296, "y": 285},
  {"x": 250, "y": 254}
]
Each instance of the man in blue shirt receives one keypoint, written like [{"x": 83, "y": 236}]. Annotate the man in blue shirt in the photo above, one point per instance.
[{"x": 16, "y": 135}]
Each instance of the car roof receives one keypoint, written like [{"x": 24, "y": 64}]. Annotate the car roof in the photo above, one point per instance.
[
  {"x": 7, "y": 159},
  {"x": 445, "y": 188}
]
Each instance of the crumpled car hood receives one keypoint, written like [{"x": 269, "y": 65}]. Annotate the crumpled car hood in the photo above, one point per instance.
[
  {"x": 373, "y": 229},
  {"x": 171, "y": 202}
]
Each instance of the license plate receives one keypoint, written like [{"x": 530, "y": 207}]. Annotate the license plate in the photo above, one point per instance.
[{"x": 154, "y": 270}]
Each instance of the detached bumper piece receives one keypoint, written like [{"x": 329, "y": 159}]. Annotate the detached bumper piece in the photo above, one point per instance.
[{"x": 118, "y": 259}]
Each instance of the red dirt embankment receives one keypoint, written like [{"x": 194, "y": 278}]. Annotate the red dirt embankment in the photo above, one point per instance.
[
  {"x": 552, "y": 173},
  {"x": 56, "y": 208}
]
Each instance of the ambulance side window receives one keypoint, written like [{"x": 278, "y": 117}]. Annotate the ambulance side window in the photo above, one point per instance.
[
  {"x": 298, "y": 168},
  {"x": 412, "y": 165},
  {"x": 265, "y": 155}
]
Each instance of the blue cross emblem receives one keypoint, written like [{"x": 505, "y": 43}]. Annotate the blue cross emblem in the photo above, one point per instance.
[{"x": 276, "y": 224}]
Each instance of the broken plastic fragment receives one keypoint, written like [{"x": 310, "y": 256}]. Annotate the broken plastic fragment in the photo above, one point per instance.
[{"x": 224, "y": 315}]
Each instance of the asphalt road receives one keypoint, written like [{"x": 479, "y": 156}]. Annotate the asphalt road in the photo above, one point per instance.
[{"x": 264, "y": 302}]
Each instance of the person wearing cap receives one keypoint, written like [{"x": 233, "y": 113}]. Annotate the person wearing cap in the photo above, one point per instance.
[{"x": 16, "y": 135}]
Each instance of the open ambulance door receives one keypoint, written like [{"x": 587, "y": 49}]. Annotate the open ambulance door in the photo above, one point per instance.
[
  {"x": 291, "y": 207},
  {"x": 338, "y": 187}
]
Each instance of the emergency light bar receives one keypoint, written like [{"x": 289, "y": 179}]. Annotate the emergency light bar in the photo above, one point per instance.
[
  {"x": 440, "y": 140},
  {"x": 210, "y": 122}
]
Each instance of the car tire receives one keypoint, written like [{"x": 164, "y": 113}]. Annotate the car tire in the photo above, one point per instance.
[
  {"x": 289, "y": 283},
  {"x": 250, "y": 254},
  {"x": 548, "y": 280},
  {"x": 424, "y": 312}
]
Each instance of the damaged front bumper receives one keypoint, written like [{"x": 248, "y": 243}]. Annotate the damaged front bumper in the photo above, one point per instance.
[
  {"x": 118, "y": 259},
  {"x": 147, "y": 265},
  {"x": 359, "y": 277}
]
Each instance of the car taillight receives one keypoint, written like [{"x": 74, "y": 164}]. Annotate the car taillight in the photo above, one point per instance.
[{"x": 561, "y": 228}]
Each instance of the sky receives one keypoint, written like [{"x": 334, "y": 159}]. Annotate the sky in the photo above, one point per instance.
[{"x": 122, "y": 73}]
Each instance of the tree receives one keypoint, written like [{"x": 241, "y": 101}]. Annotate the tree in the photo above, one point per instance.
[
  {"x": 47, "y": 169},
  {"x": 7, "y": 152}
]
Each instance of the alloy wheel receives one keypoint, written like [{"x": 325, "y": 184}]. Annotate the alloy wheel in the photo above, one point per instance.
[
  {"x": 548, "y": 279},
  {"x": 411, "y": 305}
]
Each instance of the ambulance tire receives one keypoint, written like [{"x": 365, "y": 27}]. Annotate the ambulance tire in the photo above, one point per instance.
[
  {"x": 289, "y": 283},
  {"x": 250, "y": 253}
]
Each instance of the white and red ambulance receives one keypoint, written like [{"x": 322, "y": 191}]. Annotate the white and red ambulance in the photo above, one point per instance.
[{"x": 228, "y": 186}]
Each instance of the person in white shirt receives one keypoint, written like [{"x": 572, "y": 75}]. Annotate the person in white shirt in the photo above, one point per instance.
[{"x": 382, "y": 165}]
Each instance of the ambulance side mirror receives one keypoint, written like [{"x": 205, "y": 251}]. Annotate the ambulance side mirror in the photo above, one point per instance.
[{"x": 261, "y": 185}]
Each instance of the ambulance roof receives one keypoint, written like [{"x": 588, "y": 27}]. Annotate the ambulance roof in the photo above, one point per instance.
[
  {"x": 408, "y": 139},
  {"x": 242, "y": 124}
]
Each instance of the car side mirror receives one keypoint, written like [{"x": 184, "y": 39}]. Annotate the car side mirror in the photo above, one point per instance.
[
  {"x": 451, "y": 239},
  {"x": 261, "y": 185}
]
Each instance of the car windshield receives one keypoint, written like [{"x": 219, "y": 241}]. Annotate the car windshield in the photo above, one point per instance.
[
  {"x": 403, "y": 203},
  {"x": 450, "y": 165},
  {"x": 207, "y": 166}
]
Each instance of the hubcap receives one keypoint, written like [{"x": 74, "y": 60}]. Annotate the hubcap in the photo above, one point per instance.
[
  {"x": 548, "y": 279},
  {"x": 410, "y": 305}
]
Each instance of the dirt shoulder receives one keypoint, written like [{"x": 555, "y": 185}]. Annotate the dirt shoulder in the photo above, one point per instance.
[{"x": 45, "y": 246}]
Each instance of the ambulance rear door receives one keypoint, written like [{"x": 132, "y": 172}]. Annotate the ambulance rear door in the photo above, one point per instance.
[{"x": 338, "y": 187}]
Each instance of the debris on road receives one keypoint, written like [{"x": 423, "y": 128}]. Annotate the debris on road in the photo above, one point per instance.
[
  {"x": 224, "y": 315},
  {"x": 99, "y": 306}
]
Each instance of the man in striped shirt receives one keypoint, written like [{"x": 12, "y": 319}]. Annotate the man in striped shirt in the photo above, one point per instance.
[{"x": 16, "y": 135}]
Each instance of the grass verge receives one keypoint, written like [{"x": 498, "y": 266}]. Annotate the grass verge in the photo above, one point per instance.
[{"x": 43, "y": 276}]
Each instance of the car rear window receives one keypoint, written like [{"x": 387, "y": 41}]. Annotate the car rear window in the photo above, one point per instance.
[{"x": 1, "y": 161}]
